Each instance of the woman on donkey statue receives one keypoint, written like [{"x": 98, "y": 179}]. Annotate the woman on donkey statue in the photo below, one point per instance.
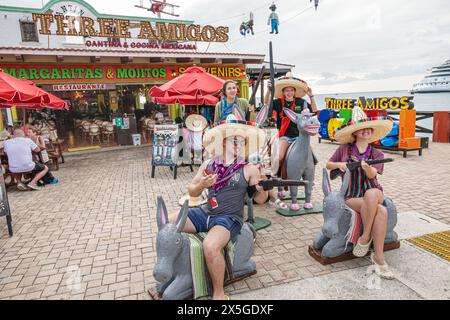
[
  {"x": 365, "y": 194},
  {"x": 289, "y": 93}
]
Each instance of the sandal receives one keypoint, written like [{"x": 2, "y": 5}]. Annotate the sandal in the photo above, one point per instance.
[
  {"x": 382, "y": 270},
  {"x": 278, "y": 204},
  {"x": 360, "y": 250}
]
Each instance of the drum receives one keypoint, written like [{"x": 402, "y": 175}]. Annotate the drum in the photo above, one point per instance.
[
  {"x": 346, "y": 115},
  {"x": 325, "y": 115},
  {"x": 323, "y": 131},
  {"x": 390, "y": 141},
  {"x": 333, "y": 124},
  {"x": 394, "y": 131}
]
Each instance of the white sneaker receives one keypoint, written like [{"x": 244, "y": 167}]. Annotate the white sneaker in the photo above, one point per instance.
[
  {"x": 22, "y": 187},
  {"x": 34, "y": 186},
  {"x": 278, "y": 204}
]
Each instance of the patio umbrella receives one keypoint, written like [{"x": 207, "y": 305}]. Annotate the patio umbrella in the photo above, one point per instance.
[
  {"x": 187, "y": 99},
  {"x": 54, "y": 101},
  {"x": 25, "y": 87},
  {"x": 16, "y": 92},
  {"x": 195, "y": 82},
  {"x": 51, "y": 101}
]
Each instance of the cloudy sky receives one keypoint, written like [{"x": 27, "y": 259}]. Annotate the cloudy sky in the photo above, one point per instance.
[{"x": 344, "y": 46}]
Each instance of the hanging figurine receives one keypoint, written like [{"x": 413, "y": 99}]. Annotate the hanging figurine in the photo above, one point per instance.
[
  {"x": 273, "y": 19},
  {"x": 316, "y": 3},
  {"x": 247, "y": 26}
]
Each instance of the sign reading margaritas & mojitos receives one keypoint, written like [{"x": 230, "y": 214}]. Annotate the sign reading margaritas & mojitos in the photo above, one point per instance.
[{"x": 111, "y": 73}]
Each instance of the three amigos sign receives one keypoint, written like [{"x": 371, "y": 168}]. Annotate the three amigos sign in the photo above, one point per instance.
[{"x": 77, "y": 22}]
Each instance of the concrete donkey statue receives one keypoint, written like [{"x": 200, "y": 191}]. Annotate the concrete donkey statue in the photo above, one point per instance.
[
  {"x": 332, "y": 239},
  {"x": 299, "y": 158},
  {"x": 173, "y": 267}
]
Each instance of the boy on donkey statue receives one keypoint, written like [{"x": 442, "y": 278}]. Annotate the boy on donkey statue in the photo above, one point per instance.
[{"x": 229, "y": 178}]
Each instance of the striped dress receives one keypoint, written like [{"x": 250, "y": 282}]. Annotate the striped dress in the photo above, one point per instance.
[{"x": 359, "y": 182}]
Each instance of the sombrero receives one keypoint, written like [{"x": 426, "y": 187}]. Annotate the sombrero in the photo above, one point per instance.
[
  {"x": 251, "y": 131},
  {"x": 300, "y": 86},
  {"x": 381, "y": 127},
  {"x": 196, "y": 122},
  {"x": 193, "y": 201}
]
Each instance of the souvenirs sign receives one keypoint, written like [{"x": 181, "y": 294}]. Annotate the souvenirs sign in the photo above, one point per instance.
[{"x": 395, "y": 103}]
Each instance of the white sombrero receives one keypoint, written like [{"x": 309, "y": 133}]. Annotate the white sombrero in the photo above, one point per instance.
[
  {"x": 381, "y": 127},
  {"x": 300, "y": 86},
  {"x": 251, "y": 131},
  {"x": 196, "y": 122}
]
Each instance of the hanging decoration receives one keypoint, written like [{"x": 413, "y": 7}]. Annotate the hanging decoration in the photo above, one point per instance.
[
  {"x": 273, "y": 19},
  {"x": 316, "y": 3},
  {"x": 247, "y": 26}
]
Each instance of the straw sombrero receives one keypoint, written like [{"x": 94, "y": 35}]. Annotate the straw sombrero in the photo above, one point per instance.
[
  {"x": 252, "y": 131},
  {"x": 193, "y": 201},
  {"x": 300, "y": 86},
  {"x": 381, "y": 127},
  {"x": 196, "y": 122}
]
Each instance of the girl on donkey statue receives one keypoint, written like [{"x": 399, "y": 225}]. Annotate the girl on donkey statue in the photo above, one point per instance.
[{"x": 365, "y": 194}]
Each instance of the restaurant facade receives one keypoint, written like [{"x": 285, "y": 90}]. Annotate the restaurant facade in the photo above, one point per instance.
[{"x": 103, "y": 65}]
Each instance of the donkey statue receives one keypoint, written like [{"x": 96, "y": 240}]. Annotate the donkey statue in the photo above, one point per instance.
[
  {"x": 173, "y": 266},
  {"x": 299, "y": 159},
  {"x": 333, "y": 237}
]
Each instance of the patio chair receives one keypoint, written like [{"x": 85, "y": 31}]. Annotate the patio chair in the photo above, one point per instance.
[
  {"x": 109, "y": 131},
  {"x": 85, "y": 129},
  {"x": 94, "y": 132}
]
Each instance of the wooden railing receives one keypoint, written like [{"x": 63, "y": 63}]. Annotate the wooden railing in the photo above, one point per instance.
[{"x": 420, "y": 115}]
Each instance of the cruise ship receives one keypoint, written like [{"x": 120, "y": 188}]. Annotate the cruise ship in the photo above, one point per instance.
[{"x": 438, "y": 80}]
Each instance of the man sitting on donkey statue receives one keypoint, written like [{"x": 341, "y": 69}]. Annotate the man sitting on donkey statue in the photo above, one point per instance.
[{"x": 229, "y": 179}]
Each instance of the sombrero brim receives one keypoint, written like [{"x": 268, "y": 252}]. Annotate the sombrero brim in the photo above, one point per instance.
[
  {"x": 300, "y": 87},
  {"x": 193, "y": 202},
  {"x": 381, "y": 127},
  {"x": 190, "y": 123},
  {"x": 254, "y": 135}
]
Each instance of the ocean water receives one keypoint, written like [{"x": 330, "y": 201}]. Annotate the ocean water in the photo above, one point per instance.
[{"x": 422, "y": 101}]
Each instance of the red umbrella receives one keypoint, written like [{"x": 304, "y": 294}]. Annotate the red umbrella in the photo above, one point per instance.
[
  {"x": 194, "y": 81},
  {"x": 54, "y": 101},
  {"x": 51, "y": 101},
  {"x": 14, "y": 91},
  {"x": 187, "y": 99}
]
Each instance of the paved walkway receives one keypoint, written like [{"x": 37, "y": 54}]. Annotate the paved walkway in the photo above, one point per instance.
[{"x": 92, "y": 236}]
